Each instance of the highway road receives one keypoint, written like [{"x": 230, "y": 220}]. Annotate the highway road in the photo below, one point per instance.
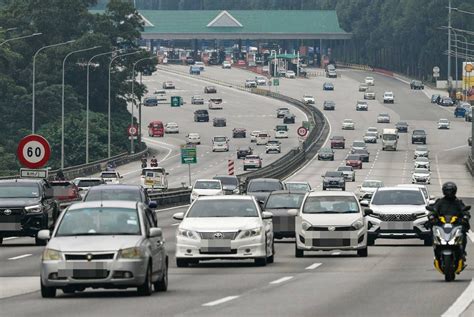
[{"x": 396, "y": 279}]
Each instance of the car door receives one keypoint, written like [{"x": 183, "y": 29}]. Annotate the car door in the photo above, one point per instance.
[
  {"x": 49, "y": 203},
  {"x": 155, "y": 244}
]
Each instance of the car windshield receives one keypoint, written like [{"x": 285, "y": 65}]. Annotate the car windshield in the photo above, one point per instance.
[
  {"x": 99, "y": 221},
  {"x": 353, "y": 158},
  {"x": 421, "y": 148},
  {"x": 398, "y": 197},
  {"x": 389, "y": 137},
  {"x": 421, "y": 171},
  {"x": 220, "y": 139},
  {"x": 284, "y": 201},
  {"x": 207, "y": 185},
  {"x": 225, "y": 180},
  {"x": 345, "y": 168},
  {"x": 252, "y": 157},
  {"x": 108, "y": 175},
  {"x": 419, "y": 132},
  {"x": 282, "y": 128},
  {"x": 19, "y": 190},
  {"x": 443, "y": 121},
  {"x": 347, "y": 120},
  {"x": 264, "y": 186},
  {"x": 338, "y": 138},
  {"x": 358, "y": 144},
  {"x": 107, "y": 193},
  {"x": 223, "y": 208},
  {"x": 372, "y": 184},
  {"x": 383, "y": 115},
  {"x": 325, "y": 150},
  {"x": 148, "y": 171},
  {"x": 371, "y": 134},
  {"x": 402, "y": 124},
  {"x": 298, "y": 186},
  {"x": 329, "y": 103},
  {"x": 388, "y": 94},
  {"x": 422, "y": 159},
  {"x": 333, "y": 174},
  {"x": 89, "y": 182},
  {"x": 330, "y": 205}
]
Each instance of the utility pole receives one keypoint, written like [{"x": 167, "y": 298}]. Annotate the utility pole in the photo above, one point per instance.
[{"x": 449, "y": 44}]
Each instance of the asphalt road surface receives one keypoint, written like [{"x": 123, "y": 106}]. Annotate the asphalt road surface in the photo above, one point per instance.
[{"x": 396, "y": 279}]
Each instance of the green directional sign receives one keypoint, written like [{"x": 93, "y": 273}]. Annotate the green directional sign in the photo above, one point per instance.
[
  {"x": 307, "y": 125},
  {"x": 276, "y": 82},
  {"x": 176, "y": 101},
  {"x": 188, "y": 154}
]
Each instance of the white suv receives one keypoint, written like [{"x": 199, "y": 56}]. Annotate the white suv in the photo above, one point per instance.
[
  {"x": 206, "y": 187},
  {"x": 330, "y": 221},
  {"x": 388, "y": 97},
  {"x": 220, "y": 143}
]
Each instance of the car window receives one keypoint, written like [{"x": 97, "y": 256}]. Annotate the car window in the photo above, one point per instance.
[
  {"x": 19, "y": 190},
  {"x": 99, "y": 221},
  {"x": 228, "y": 180},
  {"x": 222, "y": 208},
  {"x": 284, "y": 201},
  {"x": 264, "y": 186},
  {"x": 207, "y": 185},
  {"x": 333, "y": 174},
  {"x": 89, "y": 182},
  {"x": 298, "y": 186},
  {"x": 398, "y": 197},
  {"x": 108, "y": 175},
  {"x": 104, "y": 193},
  {"x": 330, "y": 205}
]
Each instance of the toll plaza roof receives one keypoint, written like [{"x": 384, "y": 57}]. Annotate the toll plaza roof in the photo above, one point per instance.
[{"x": 241, "y": 24}]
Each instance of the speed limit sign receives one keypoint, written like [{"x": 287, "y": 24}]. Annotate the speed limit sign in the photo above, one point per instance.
[
  {"x": 302, "y": 131},
  {"x": 132, "y": 130},
  {"x": 33, "y": 151}
]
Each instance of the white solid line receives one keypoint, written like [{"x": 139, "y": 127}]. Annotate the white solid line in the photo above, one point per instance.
[
  {"x": 220, "y": 301},
  {"x": 470, "y": 234},
  {"x": 21, "y": 256},
  {"x": 9, "y": 238},
  {"x": 281, "y": 280},
  {"x": 462, "y": 303},
  {"x": 313, "y": 266}
]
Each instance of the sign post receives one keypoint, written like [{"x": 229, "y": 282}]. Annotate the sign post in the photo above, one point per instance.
[
  {"x": 33, "y": 151},
  {"x": 188, "y": 156}
]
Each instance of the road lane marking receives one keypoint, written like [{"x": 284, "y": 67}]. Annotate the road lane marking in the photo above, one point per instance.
[
  {"x": 281, "y": 280},
  {"x": 470, "y": 234},
  {"x": 20, "y": 256},
  {"x": 313, "y": 266},
  {"x": 462, "y": 302},
  {"x": 220, "y": 301}
]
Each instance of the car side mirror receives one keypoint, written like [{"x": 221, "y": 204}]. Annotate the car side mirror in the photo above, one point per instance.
[
  {"x": 267, "y": 215},
  {"x": 431, "y": 202},
  {"x": 429, "y": 208},
  {"x": 155, "y": 233},
  {"x": 466, "y": 208},
  {"x": 178, "y": 216},
  {"x": 44, "y": 234},
  {"x": 364, "y": 203},
  {"x": 368, "y": 212},
  {"x": 153, "y": 204},
  {"x": 432, "y": 197},
  {"x": 293, "y": 212}
]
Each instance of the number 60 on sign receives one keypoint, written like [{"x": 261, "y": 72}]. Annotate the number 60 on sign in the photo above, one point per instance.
[{"x": 33, "y": 151}]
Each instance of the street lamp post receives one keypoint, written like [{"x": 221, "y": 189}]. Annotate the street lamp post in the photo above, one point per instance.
[
  {"x": 109, "y": 103},
  {"x": 20, "y": 38},
  {"x": 34, "y": 79},
  {"x": 132, "y": 150},
  {"x": 62, "y": 98},
  {"x": 87, "y": 99}
]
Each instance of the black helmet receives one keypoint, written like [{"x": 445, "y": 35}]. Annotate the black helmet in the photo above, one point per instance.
[{"x": 449, "y": 189}]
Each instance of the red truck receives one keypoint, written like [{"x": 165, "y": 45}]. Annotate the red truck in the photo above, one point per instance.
[{"x": 155, "y": 128}]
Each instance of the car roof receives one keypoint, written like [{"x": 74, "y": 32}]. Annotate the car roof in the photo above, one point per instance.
[
  {"x": 268, "y": 180},
  {"x": 87, "y": 178},
  {"x": 115, "y": 186},
  {"x": 287, "y": 191},
  {"x": 226, "y": 176},
  {"x": 397, "y": 188},
  {"x": 105, "y": 203},
  {"x": 227, "y": 197},
  {"x": 330, "y": 194},
  {"x": 21, "y": 180},
  {"x": 207, "y": 180}
]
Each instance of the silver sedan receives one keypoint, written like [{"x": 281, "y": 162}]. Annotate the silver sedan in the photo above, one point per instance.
[{"x": 104, "y": 244}]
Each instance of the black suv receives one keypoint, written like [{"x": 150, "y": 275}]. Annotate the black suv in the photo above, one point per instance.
[
  {"x": 242, "y": 152},
  {"x": 418, "y": 136},
  {"x": 201, "y": 115},
  {"x": 219, "y": 122},
  {"x": 334, "y": 179},
  {"x": 26, "y": 207},
  {"x": 416, "y": 84}
]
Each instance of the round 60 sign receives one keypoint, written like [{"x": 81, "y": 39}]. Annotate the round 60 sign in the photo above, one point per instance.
[{"x": 33, "y": 151}]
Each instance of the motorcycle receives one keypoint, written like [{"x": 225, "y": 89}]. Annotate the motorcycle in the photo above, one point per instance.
[
  {"x": 144, "y": 164},
  {"x": 448, "y": 237}
]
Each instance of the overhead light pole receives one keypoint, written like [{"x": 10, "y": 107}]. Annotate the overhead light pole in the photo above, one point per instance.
[
  {"x": 34, "y": 79},
  {"x": 109, "y": 134},
  {"x": 19, "y": 37},
  {"x": 62, "y": 97}
]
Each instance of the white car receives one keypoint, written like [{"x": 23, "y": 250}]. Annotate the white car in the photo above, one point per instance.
[
  {"x": 423, "y": 189},
  {"x": 273, "y": 146},
  {"x": 330, "y": 221},
  {"x": 252, "y": 161},
  {"x": 373, "y": 129},
  {"x": 298, "y": 186},
  {"x": 362, "y": 105},
  {"x": 290, "y": 74},
  {"x": 348, "y": 124},
  {"x": 443, "y": 124},
  {"x": 421, "y": 151},
  {"x": 422, "y": 162},
  {"x": 253, "y": 135},
  {"x": 363, "y": 87},
  {"x": 171, "y": 127},
  {"x": 262, "y": 138},
  {"x": 281, "y": 132},
  {"x": 421, "y": 175},
  {"x": 200, "y": 65},
  {"x": 369, "y": 94},
  {"x": 261, "y": 81},
  {"x": 224, "y": 227},
  {"x": 250, "y": 83},
  {"x": 358, "y": 145},
  {"x": 226, "y": 65},
  {"x": 193, "y": 138},
  {"x": 206, "y": 187},
  {"x": 111, "y": 177},
  {"x": 388, "y": 97},
  {"x": 216, "y": 104},
  {"x": 220, "y": 143},
  {"x": 84, "y": 183},
  {"x": 371, "y": 137},
  {"x": 308, "y": 99},
  {"x": 369, "y": 81},
  {"x": 383, "y": 118},
  {"x": 282, "y": 112},
  {"x": 367, "y": 188}
]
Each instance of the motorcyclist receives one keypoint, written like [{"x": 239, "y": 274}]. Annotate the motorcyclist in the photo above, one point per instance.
[
  {"x": 110, "y": 166},
  {"x": 450, "y": 205},
  {"x": 60, "y": 175},
  {"x": 144, "y": 161},
  {"x": 154, "y": 162}
]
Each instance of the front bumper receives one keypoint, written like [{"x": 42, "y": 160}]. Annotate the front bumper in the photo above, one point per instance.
[
  {"x": 331, "y": 240},
  {"x": 333, "y": 185},
  {"x": 398, "y": 229},
  {"x": 23, "y": 225}
]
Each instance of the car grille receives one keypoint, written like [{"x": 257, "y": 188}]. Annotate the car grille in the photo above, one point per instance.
[
  {"x": 320, "y": 228},
  {"x": 13, "y": 212},
  {"x": 397, "y": 217},
  {"x": 89, "y": 274},
  {"x": 225, "y": 235},
  {"x": 93, "y": 257}
]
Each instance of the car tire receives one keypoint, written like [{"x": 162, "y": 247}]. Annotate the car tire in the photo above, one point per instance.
[
  {"x": 353, "y": 179},
  {"x": 182, "y": 262},
  {"x": 370, "y": 241},
  {"x": 271, "y": 258},
  {"x": 147, "y": 287},
  {"x": 161, "y": 285},
  {"x": 343, "y": 188},
  {"x": 428, "y": 242},
  {"x": 48, "y": 292},
  {"x": 324, "y": 188},
  {"x": 260, "y": 261},
  {"x": 362, "y": 252},
  {"x": 1, "y": 240},
  {"x": 298, "y": 253}
]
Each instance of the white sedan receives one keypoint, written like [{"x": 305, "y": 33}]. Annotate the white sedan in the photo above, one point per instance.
[
  {"x": 206, "y": 187},
  {"x": 224, "y": 227},
  {"x": 421, "y": 175},
  {"x": 443, "y": 124},
  {"x": 290, "y": 74},
  {"x": 348, "y": 124},
  {"x": 253, "y": 136},
  {"x": 370, "y": 81},
  {"x": 171, "y": 127},
  {"x": 308, "y": 99},
  {"x": 193, "y": 138}
]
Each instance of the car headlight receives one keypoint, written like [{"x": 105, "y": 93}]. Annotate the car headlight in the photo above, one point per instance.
[
  {"x": 51, "y": 255},
  {"x": 244, "y": 234},
  {"x": 187, "y": 234},
  {"x": 131, "y": 253},
  {"x": 194, "y": 195},
  {"x": 305, "y": 225},
  {"x": 35, "y": 208},
  {"x": 357, "y": 224}
]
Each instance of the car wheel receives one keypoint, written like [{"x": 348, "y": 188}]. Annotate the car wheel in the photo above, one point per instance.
[
  {"x": 161, "y": 285},
  {"x": 260, "y": 261},
  {"x": 271, "y": 258},
  {"x": 324, "y": 188},
  {"x": 353, "y": 179},
  {"x": 245, "y": 168},
  {"x": 147, "y": 287},
  {"x": 1, "y": 240},
  {"x": 344, "y": 188},
  {"x": 370, "y": 241},
  {"x": 182, "y": 262},
  {"x": 298, "y": 253},
  {"x": 362, "y": 252},
  {"x": 47, "y": 292},
  {"x": 428, "y": 242}
]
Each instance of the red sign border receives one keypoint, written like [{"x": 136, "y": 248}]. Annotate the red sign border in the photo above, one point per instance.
[
  {"x": 130, "y": 127},
  {"x": 301, "y": 128},
  {"x": 37, "y": 138}
]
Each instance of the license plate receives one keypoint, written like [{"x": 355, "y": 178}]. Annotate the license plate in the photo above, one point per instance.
[
  {"x": 10, "y": 226},
  {"x": 396, "y": 225},
  {"x": 218, "y": 245}
]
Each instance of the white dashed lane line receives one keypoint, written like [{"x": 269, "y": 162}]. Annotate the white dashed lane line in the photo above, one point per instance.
[
  {"x": 20, "y": 257},
  {"x": 313, "y": 266},
  {"x": 220, "y": 301},
  {"x": 281, "y": 280}
]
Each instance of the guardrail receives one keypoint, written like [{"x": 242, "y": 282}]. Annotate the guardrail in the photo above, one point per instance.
[
  {"x": 470, "y": 164},
  {"x": 176, "y": 196}
]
